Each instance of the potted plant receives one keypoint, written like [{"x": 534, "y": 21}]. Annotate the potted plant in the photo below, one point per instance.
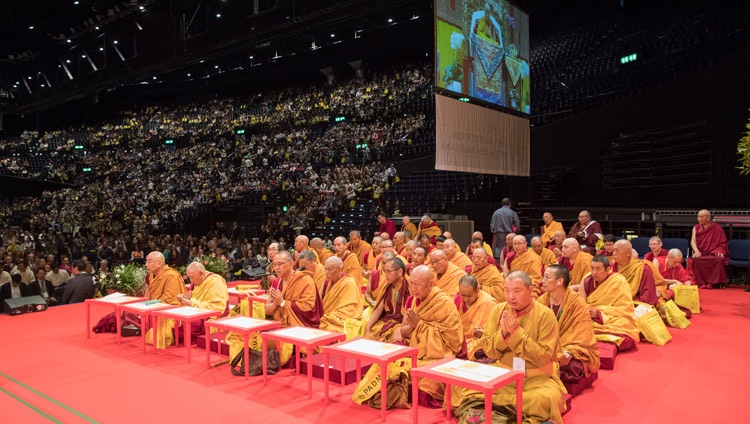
[
  {"x": 129, "y": 279},
  {"x": 218, "y": 265}
]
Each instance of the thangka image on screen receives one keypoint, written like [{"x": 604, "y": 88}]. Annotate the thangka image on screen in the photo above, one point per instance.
[{"x": 482, "y": 51}]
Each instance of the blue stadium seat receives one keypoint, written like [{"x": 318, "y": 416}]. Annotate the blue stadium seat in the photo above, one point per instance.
[
  {"x": 529, "y": 237},
  {"x": 640, "y": 244},
  {"x": 739, "y": 256},
  {"x": 677, "y": 243}
]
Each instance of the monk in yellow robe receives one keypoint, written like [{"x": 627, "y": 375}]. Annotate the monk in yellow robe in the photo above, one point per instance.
[
  {"x": 431, "y": 324},
  {"x": 521, "y": 328},
  {"x": 407, "y": 225},
  {"x": 477, "y": 237},
  {"x": 296, "y": 303},
  {"x": 308, "y": 262},
  {"x": 490, "y": 279},
  {"x": 377, "y": 280},
  {"x": 526, "y": 261},
  {"x": 429, "y": 228},
  {"x": 342, "y": 298},
  {"x": 456, "y": 256},
  {"x": 646, "y": 284},
  {"x": 358, "y": 246},
  {"x": 389, "y": 310},
  {"x": 352, "y": 267},
  {"x": 301, "y": 243},
  {"x": 580, "y": 353},
  {"x": 549, "y": 228},
  {"x": 577, "y": 261},
  {"x": 548, "y": 258},
  {"x": 447, "y": 273},
  {"x": 318, "y": 246},
  {"x": 369, "y": 263},
  {"x": 474, "y": 306},
  {"x": 610, "y": 305},
  {"x": 209, "y": 292},
  {"x": 166, "y": 284}
]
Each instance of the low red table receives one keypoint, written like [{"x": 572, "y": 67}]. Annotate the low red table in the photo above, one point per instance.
[
  {"x": 368, "y": 350},
  {"x": 113, "y": 301},
  {"x": 299, "y": 336},
  {"x": 144, "y": 312},
  {"x": 242, "y": 325},
  {"x": 471, "y": 375},
  {"x": 184, "y": 314}
]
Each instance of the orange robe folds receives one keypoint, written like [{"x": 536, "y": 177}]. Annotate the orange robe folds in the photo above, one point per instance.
[
  {"x": 531, "y": 264},
  {"x": 341, "y": 300},
  {"x": 548, "y": 258},
  {"x": 579, "y": 268},
  {"x": 448, "y": 282},
  {"x": 474, "y": 316},
  {"x": 362, "y": 248},
  {"x": 166, "y": 286},
  {"x": 613, "y": 300},
  {"x": 548, "y": 231},
  {"x": 491, "y": 281},
  {"x": 461, "y": 260},
  {"x": 323, "y": 255},
  {"x": 642, "y": 277},
  {"x": 709, "y": 268},
  {"x": 576, "y": 330},
  {"x": 393, "y": 312},
  {"x": 352, "y": 266},
  {"x": 319, "y": 277},
  {"x": 411, "y": 228},
  {"x": 303, "y": 307}
]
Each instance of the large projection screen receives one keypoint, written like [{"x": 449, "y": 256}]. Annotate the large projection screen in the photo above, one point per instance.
[{"x": 471, "y": 138}]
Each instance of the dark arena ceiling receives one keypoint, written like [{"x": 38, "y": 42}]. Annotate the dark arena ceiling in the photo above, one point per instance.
[{"x": 58, "y": 51}]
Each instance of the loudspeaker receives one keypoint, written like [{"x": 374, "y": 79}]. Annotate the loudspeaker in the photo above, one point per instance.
[
  {"x": 253, "y": 274},
  {"x": 23, "y": 305}
]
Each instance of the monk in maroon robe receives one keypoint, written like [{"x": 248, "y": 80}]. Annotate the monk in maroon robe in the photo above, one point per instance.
[{"x": 710, "y": 252}]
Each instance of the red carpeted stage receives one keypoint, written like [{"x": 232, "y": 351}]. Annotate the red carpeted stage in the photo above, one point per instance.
[{"x": 49, "y": 371}]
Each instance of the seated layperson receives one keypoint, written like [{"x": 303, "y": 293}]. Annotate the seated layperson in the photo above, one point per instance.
[
  {"x": 341, "y": 297},
  {"x": 580, "y": 354},
  {"x": 80, "y": 287},
  {"x": 521, "y": 328},
  {"x": 610, "y": 305},
  {"x": 13, "y": 290}
]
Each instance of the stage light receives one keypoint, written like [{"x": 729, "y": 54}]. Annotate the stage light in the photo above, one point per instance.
[
  {"x": 31, "y": 26},
  {"x": 218, "y": 15}
]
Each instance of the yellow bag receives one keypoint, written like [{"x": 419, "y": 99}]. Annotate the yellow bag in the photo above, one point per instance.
[
  {"x": 675, "y": 317},
  {"x": 653, "y": 328},
  {"x": 370, "y": 384},
  {"x": 687, "y": 297},
  {"x": 354, "y": 328}
]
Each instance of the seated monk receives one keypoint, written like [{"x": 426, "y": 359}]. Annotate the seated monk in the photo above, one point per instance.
[
  {"x": 646, "y": 284},
  {"x": 409, "y": 250},
  {"x": 419, "y": 258},
  {"x": 549, "y": 228},
  {"x": 307, "y": 261},
  {"x": 608, "y": 249},
  {"x": 426, "y": 244},
  {"x": 429, "y": 228},
  {"x": 474, "y": 306},
  {"x": 294, "y": 301},
  {"x": 350, "y": 260},
  {"x": 478, "y": 238},
  {"x": 580, "y": 354},
  {"x": 407, "y": 225},
  {"x": 447, "y": 273},
  {"x": 319, "y": 247},
  {"x": 377, "y": 280},
  {"x": 710, "y": 252},
  {"x": 577, "y": 261},
  {"x": 209, "y": 291},
  {"x": 548, "y": 258},
  {"x": 439, "y": 242},
  {"x": 521, "y": 328},
  {"x": 489, "y": 278},
  {"x": 387, "y": 246},
  {"x": 556, "y": 244},
  {"x": 165, "y": 284},
  {"x": 490, "y": 259},
  {"x": 655, "y": 244},
  {"x": 670, "y": 267},
  {"x": 301, "y": 243},
  {"x": 526, "y": 261},
  {"x": 372, "y": 257},
  {"x": 454, "y": 255},
  {"x": 358, "y": 246},
  {"x": 399, "y": 243},
  {"x": 507, "y": 249},
  {"x": 389, "y": 308},
  {"x": 342, "y": 297},
  {"x": 431, "y": 324},
  {"x": 610, "y": 305}
]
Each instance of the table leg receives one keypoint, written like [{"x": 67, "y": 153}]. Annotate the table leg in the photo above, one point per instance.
[
  {"x": 264, "y": 353},
  {"x": 154, "y": 328},
  {"x": 519, "y": 399},
  {"x": 143, "y": 332},
  {"x": 187, "y": 328},
  {"x": 414, "y": 398},
  {"x": 309, "y": 370},
  {"x": 448, "y": 389},
  {"x": 118, "y": 324},
  {"x": 246, "y": 356},
  {"x": 326, "y": 363},
  {"x": 383, "y": 389},
  {"x": 358, "y": 371},
  {"x": 343, "y": 370},
  {"x": 208, "y": 347},
  {"x": 297, "y": 348},
  {"x": 88, "y": 320},
  {"x": 488, "y": 407}
]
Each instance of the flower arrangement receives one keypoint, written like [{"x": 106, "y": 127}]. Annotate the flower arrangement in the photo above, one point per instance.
[
  {"x": 218, "y": 265},
  {"x": 129, "y": 279},
  {"x": 743, "y": 149}
]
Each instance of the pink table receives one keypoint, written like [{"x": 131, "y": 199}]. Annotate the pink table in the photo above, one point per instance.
[
  {"x": 368, "y": 350},
  {"x": 242, "y": 325},
  {"x": 112, "y": 302},
  {"x": 472, "y": 375},
  {"x": 144, "y": 312},
  {"x": 184, "y": 314},
  {"x": 299, "y": 336}
]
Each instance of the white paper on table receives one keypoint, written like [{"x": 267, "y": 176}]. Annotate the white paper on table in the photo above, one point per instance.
[
  {"x": 114, "y": 295},
  {"x": 188, "y": 311},
  {"x": 302, "y": 333},
  {"x": 471, "y": 370},
  {"x": 144, "y": 307},
  {"x": 244, "y": 322},
  {"x": 370, "y": 347},
  {"x": 119, "y": 299}
]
